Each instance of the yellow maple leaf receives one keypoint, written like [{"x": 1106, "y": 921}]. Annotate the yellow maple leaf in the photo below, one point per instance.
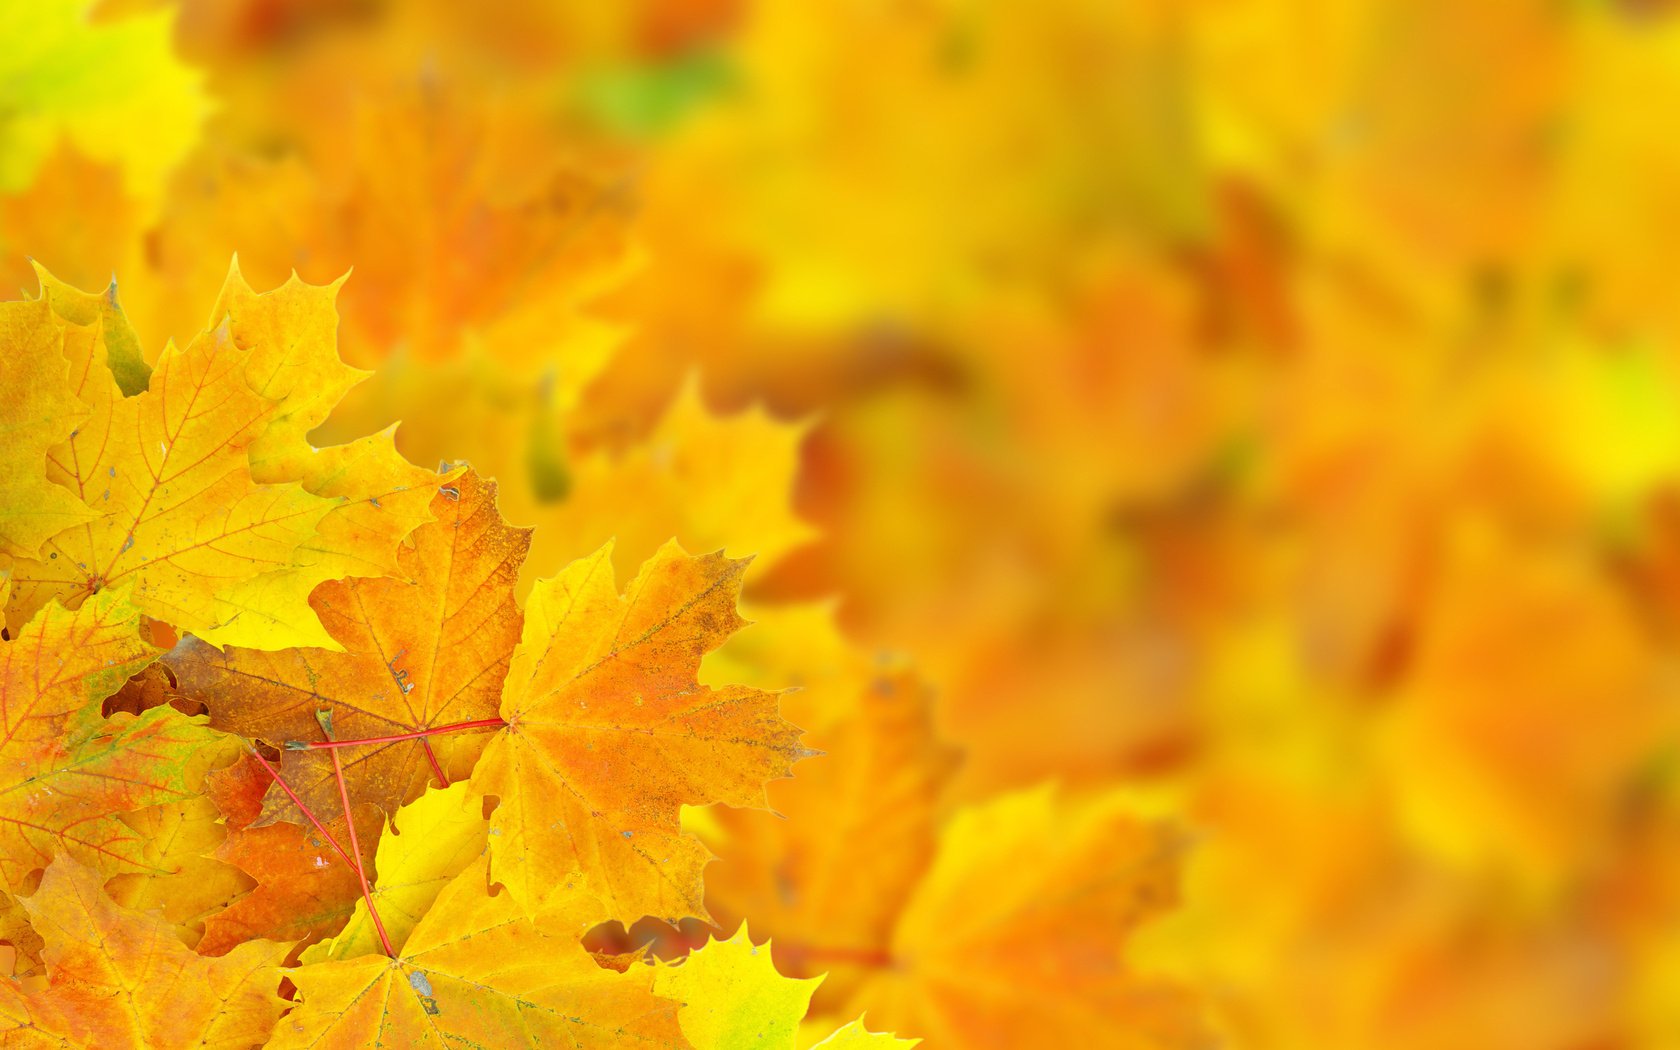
[
  {"x": 40, "y": 412},
  {"x": 70, "y": 774},
  {"x": 122, "y": 345},
  {"x": 732, "y": 997},
  {"x": 475, "y": 970},
  {"x": 183, "y": 879},
  {"x": 710, "y": 480},
  {"x": 426, "y": 844},
  {"x": 176, "y": 510},
  {"x": 201, "y": 488}
]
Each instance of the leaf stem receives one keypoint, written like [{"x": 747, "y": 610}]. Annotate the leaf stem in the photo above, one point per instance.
[
  {"x": 307, "y": 812},
  {"x": 418, "y": 734},
  {"x": 437, "y": 767},
  {"x": 356, "y": 856}
]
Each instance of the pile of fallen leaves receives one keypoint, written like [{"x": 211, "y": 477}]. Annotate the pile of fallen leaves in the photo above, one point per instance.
[
  {"x": 285, "y": 762},
  {"x": 1211, "y": 473}
]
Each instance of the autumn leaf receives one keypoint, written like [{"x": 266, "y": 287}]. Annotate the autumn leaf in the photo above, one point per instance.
[
  {"x": 478, "y": 227},
  {"x": 427, "y": 843},
  {"x": 187, "y": 881},
  {"x": 302, "y": 892},
  {"x": 290, "y": 335},
  {"x": 203, "y": 489},
  {"x": 174, "y": 509},
  {"x": 993, "y": 951},
  {"x": 69, "y": 773},
  {"x": 476, "y": 971},
  {"x": 39, "y": 412},
  {"x": 420, "y": 652},
  {"x": 184, "y": 880},
  {"x": 732, "y": 997},
  {"x": 119, "y": 979},
  {"x": 122, "y": 345},
  {"x": 609, "y": 734}
]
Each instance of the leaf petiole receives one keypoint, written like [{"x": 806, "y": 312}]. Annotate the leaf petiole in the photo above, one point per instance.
[{"x": 418, "y": 734}]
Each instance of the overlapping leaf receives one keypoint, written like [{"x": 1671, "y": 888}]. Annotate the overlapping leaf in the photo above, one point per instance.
[
  {"x": 186, "y": 881},
  {"x": 609, "y": 734},
  {"x": 428, "y": 842},
  {"x": 302, "y": 891},
  {"x": 733, "y": 997},
  {"x": 68, "y": 774},
  {"x": 708, "y": 480},
  {"x": 421, "y": 651},
  {"x": 291, "y": 337},
  {"x": 39, "y": 412},
  {"x": 799, "y": 875},
  {"x": 201, "y": 488},
  {"x": 119, "y": 979},
  {"x": 174, "y": 509},
  {"x": 477, "y": 972}
]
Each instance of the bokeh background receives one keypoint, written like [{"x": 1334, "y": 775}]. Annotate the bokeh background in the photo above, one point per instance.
[{"x": 1213, "y": 466}]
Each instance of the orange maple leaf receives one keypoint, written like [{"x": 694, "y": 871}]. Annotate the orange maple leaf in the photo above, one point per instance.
[
  {"x": 303, "y": 890},
  {"x": 119, "y": 979},
  {"x": 420, "y": 652},
  {"x": 609, "y": 734}
]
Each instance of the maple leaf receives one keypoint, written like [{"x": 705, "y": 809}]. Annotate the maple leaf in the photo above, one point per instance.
[
  {"x": 186, "y": 882},
  {"x": 202, "y": 487},
  {"x": 119, "y": 979},
  {"x": 40, "y": 410},
  {"x": 183, "y": 880},
  {"x": 122, "y": 345},
  {"x": 427, "y": 843},
  {"x": 425, "y": 650},
  {"x": 732, "y": 997},
  {"x": 175, "y": 510},
  {"x": 302, "y": 891},
  {"x": 69, "y": 774},
  {"x": 993, "y": 951},
  {"x": 881, "y": 778},
  {"x": 609, "y": 734},
  {"x": 476, "y": 228},
  {"x": 476, "y": 971},
  {"x": 290, "y": 335}
]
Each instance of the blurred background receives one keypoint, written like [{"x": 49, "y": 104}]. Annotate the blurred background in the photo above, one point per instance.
[{"x": 1213, "y": 466}]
